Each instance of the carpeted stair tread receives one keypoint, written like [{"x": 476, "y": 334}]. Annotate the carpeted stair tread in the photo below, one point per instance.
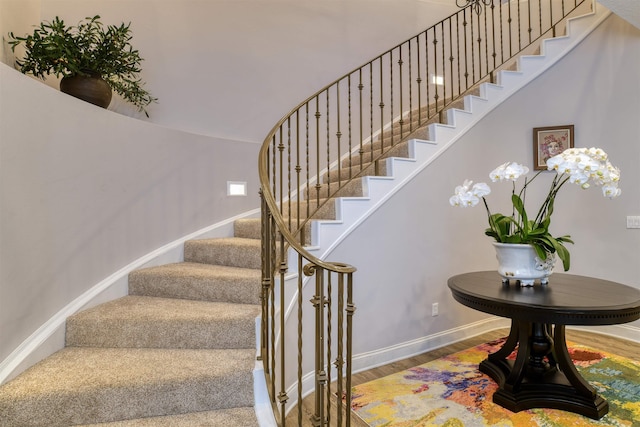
[
  {"x": 319, "y": 206},
  {"x": 229, "y": 251},
  {"x": 152, "y": 322},
  {"x": 253, "y": 227},
  {"x": 197, "y": 281},
  {"x": 353, "y": 188},
  {"x": 93, "y": 385},
  {"x": 399, "y": 150},
  {"x": 415, "y": 125},
  {"x": 249, "y": 228},
  {"x": 367, "y": 169},
  {"x": 237, "y": 417}
]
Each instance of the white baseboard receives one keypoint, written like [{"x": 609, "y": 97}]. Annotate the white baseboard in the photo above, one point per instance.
[
  {"x": 383, "y": 356},
  {"x": 626, "y": 332},
  {"x": 263, "y": 408},
  {"x": 370, "y": 360}
]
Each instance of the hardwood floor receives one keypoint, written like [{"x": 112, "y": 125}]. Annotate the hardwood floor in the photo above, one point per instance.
[{"x": 611, "y": 344}]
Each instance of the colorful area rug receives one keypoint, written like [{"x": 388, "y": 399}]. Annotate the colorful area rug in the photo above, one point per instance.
[{"x": 452, "y": 392}]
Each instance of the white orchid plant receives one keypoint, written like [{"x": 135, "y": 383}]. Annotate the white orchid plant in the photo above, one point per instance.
[{"x": 580, "y": 166}]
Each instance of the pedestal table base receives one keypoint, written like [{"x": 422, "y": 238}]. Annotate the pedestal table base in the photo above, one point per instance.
[{"x": 542, "y": 375}]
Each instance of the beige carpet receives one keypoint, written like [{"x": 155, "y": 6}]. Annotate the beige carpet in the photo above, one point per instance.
[{"x": 178, "y": 351}]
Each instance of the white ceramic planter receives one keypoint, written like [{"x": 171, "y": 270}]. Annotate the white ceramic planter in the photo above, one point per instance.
[{"x": 520, "y": 262}]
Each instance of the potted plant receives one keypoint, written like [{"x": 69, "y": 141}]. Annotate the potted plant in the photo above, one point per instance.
[
  {"x": 580, "y": 166},
  {"x": 92, "y": 60}
]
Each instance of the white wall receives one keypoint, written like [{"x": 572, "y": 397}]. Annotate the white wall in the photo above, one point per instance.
[
  {"x": 17, "y": 16},
  {"x": 75, "y": 209},
  {"x": 232, "y": 68},
  {"x": 85, "y": 192},
  {"x": 420, "y": 240}
]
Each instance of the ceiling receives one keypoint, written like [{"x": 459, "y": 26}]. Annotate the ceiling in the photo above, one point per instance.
[{"x": 627, "y": 9}]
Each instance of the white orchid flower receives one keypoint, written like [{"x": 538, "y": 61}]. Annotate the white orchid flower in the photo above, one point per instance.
[
  {"x": 515, "y": 171},
  {"x": 509, "y": 171},
  {"x": 555, "y": 162},
  {"x": 579, "y": 177},
  {"x": 464, "y": 200},
  {"x": 498, "y": 173},
  {"x": 569, "y": 167},
  {"x": 611, "y": 191},
  {"x": 588, "y": 163},
  {"x": 585, "y": 164},
  {"x": 464, "y": 188},
  {"x": 614, "y": 172},
  {"x": 469, "y": 194},
  {"x": 469, "y": 200},
  {"x": 597, "y": 154},
  {"x": 481, "y": 189}
]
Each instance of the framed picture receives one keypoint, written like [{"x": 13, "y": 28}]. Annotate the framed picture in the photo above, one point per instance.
[{"x": 550, "y": 141}]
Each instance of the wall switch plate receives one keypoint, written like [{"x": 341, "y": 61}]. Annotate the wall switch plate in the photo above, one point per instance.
[
  {"x": 633, "y": 222},
  {"x": 434, "y": 309}
]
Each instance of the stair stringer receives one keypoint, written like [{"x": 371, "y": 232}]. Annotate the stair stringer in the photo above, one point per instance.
[{"x": 326, "y": 235}]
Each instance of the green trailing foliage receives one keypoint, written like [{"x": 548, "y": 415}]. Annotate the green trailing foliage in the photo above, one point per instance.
[{"x": 87, "y": 49}]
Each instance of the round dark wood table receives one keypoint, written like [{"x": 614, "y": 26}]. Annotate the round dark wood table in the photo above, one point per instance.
[{"x": 543, "y": 374}]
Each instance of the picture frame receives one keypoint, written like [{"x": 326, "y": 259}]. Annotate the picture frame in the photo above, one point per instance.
[{"x": 549, "y": 141}]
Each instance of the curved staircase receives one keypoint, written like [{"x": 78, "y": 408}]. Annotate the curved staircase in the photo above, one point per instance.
[
  {"x": 180, "y": 349},
  {"x": 348, "y": 190},
  {"x": 407, "y": 158}
]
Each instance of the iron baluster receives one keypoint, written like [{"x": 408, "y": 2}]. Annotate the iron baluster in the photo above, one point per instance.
[
  {"x": 300, "y": 341},
  {"x": 327, "y": 301},
  {"x": 327, "y": 121}
]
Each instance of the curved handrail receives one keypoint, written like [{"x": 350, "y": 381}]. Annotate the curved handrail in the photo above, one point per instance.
[
  {"x": 480, "y": 63},
  {"x": 316, "y": 151},
  {"x": 289, "y": 237}
]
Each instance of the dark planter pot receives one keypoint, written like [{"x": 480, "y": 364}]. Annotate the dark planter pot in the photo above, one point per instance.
[{"x": 92, "y": 89}]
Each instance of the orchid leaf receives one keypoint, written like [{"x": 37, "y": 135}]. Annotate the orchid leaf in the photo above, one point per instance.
[
  {"x": 542, "y": 254},
  {"x": 519, "y": 207},
  {"x": 564, "y": 239},
  {"x": 564, "y": 255}
]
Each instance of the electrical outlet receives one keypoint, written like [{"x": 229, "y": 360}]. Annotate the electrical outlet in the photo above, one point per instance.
[
  {"x": 434, "y": 309},
  {"x": 633, "y": 222}
]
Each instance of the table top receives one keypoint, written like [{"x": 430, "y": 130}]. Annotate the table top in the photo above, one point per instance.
[{"x": 567, "y": 299}]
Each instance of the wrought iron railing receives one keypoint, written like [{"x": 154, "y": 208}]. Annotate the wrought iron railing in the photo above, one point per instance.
[{"x": 316, "y": 152}]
